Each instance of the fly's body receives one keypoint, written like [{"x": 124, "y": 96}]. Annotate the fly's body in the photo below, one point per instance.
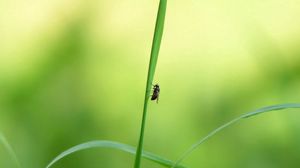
[{"x": 155, "y": 94}]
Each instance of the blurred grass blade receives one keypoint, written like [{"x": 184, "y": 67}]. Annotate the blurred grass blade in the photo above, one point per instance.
[
  {"x": 246, "y": 115},
  {"x": 158, "y": 32},
  {"x": 114, "y": 145},
  {"x": 10, "y": 150}
]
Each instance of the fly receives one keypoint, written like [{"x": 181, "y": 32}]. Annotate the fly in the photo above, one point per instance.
[{"x": 155, "y": 93}]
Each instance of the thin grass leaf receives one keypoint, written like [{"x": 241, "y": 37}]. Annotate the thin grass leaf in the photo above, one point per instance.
[
  {"x": 9, "y": 150},
  {"x": 160, "y": 20},
  {"x": 113, "y": 145},
  {"x": 246, "y": 115}
]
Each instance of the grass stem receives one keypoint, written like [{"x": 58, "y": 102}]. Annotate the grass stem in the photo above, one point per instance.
[{"x": 152, "y": 65}]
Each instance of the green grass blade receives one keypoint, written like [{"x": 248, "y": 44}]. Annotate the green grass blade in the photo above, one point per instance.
[
  {"x": 246, "y": 115},
  {"x": 113, "y": 145},
  {"x": 9, "y": 150},
  {"x": 151, "y": 71}
]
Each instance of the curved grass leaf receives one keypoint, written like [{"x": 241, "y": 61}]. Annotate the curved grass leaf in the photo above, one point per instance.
[
  {"x": 9, "y": 150},
  {"x": 113, "y": 145},
  {"x": 158, "y": 32},
  {"x": 246, "y": 115}
]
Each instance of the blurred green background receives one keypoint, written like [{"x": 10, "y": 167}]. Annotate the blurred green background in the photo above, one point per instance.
[{"x": 75, "y": 70}]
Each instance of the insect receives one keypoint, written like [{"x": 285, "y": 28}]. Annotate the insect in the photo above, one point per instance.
[{"x": 155, "y": 93}]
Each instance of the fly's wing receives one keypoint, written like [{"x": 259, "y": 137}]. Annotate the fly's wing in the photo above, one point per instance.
[
  {"x": 158, "y": 95},
  {"x": 154, "y": 96}
]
